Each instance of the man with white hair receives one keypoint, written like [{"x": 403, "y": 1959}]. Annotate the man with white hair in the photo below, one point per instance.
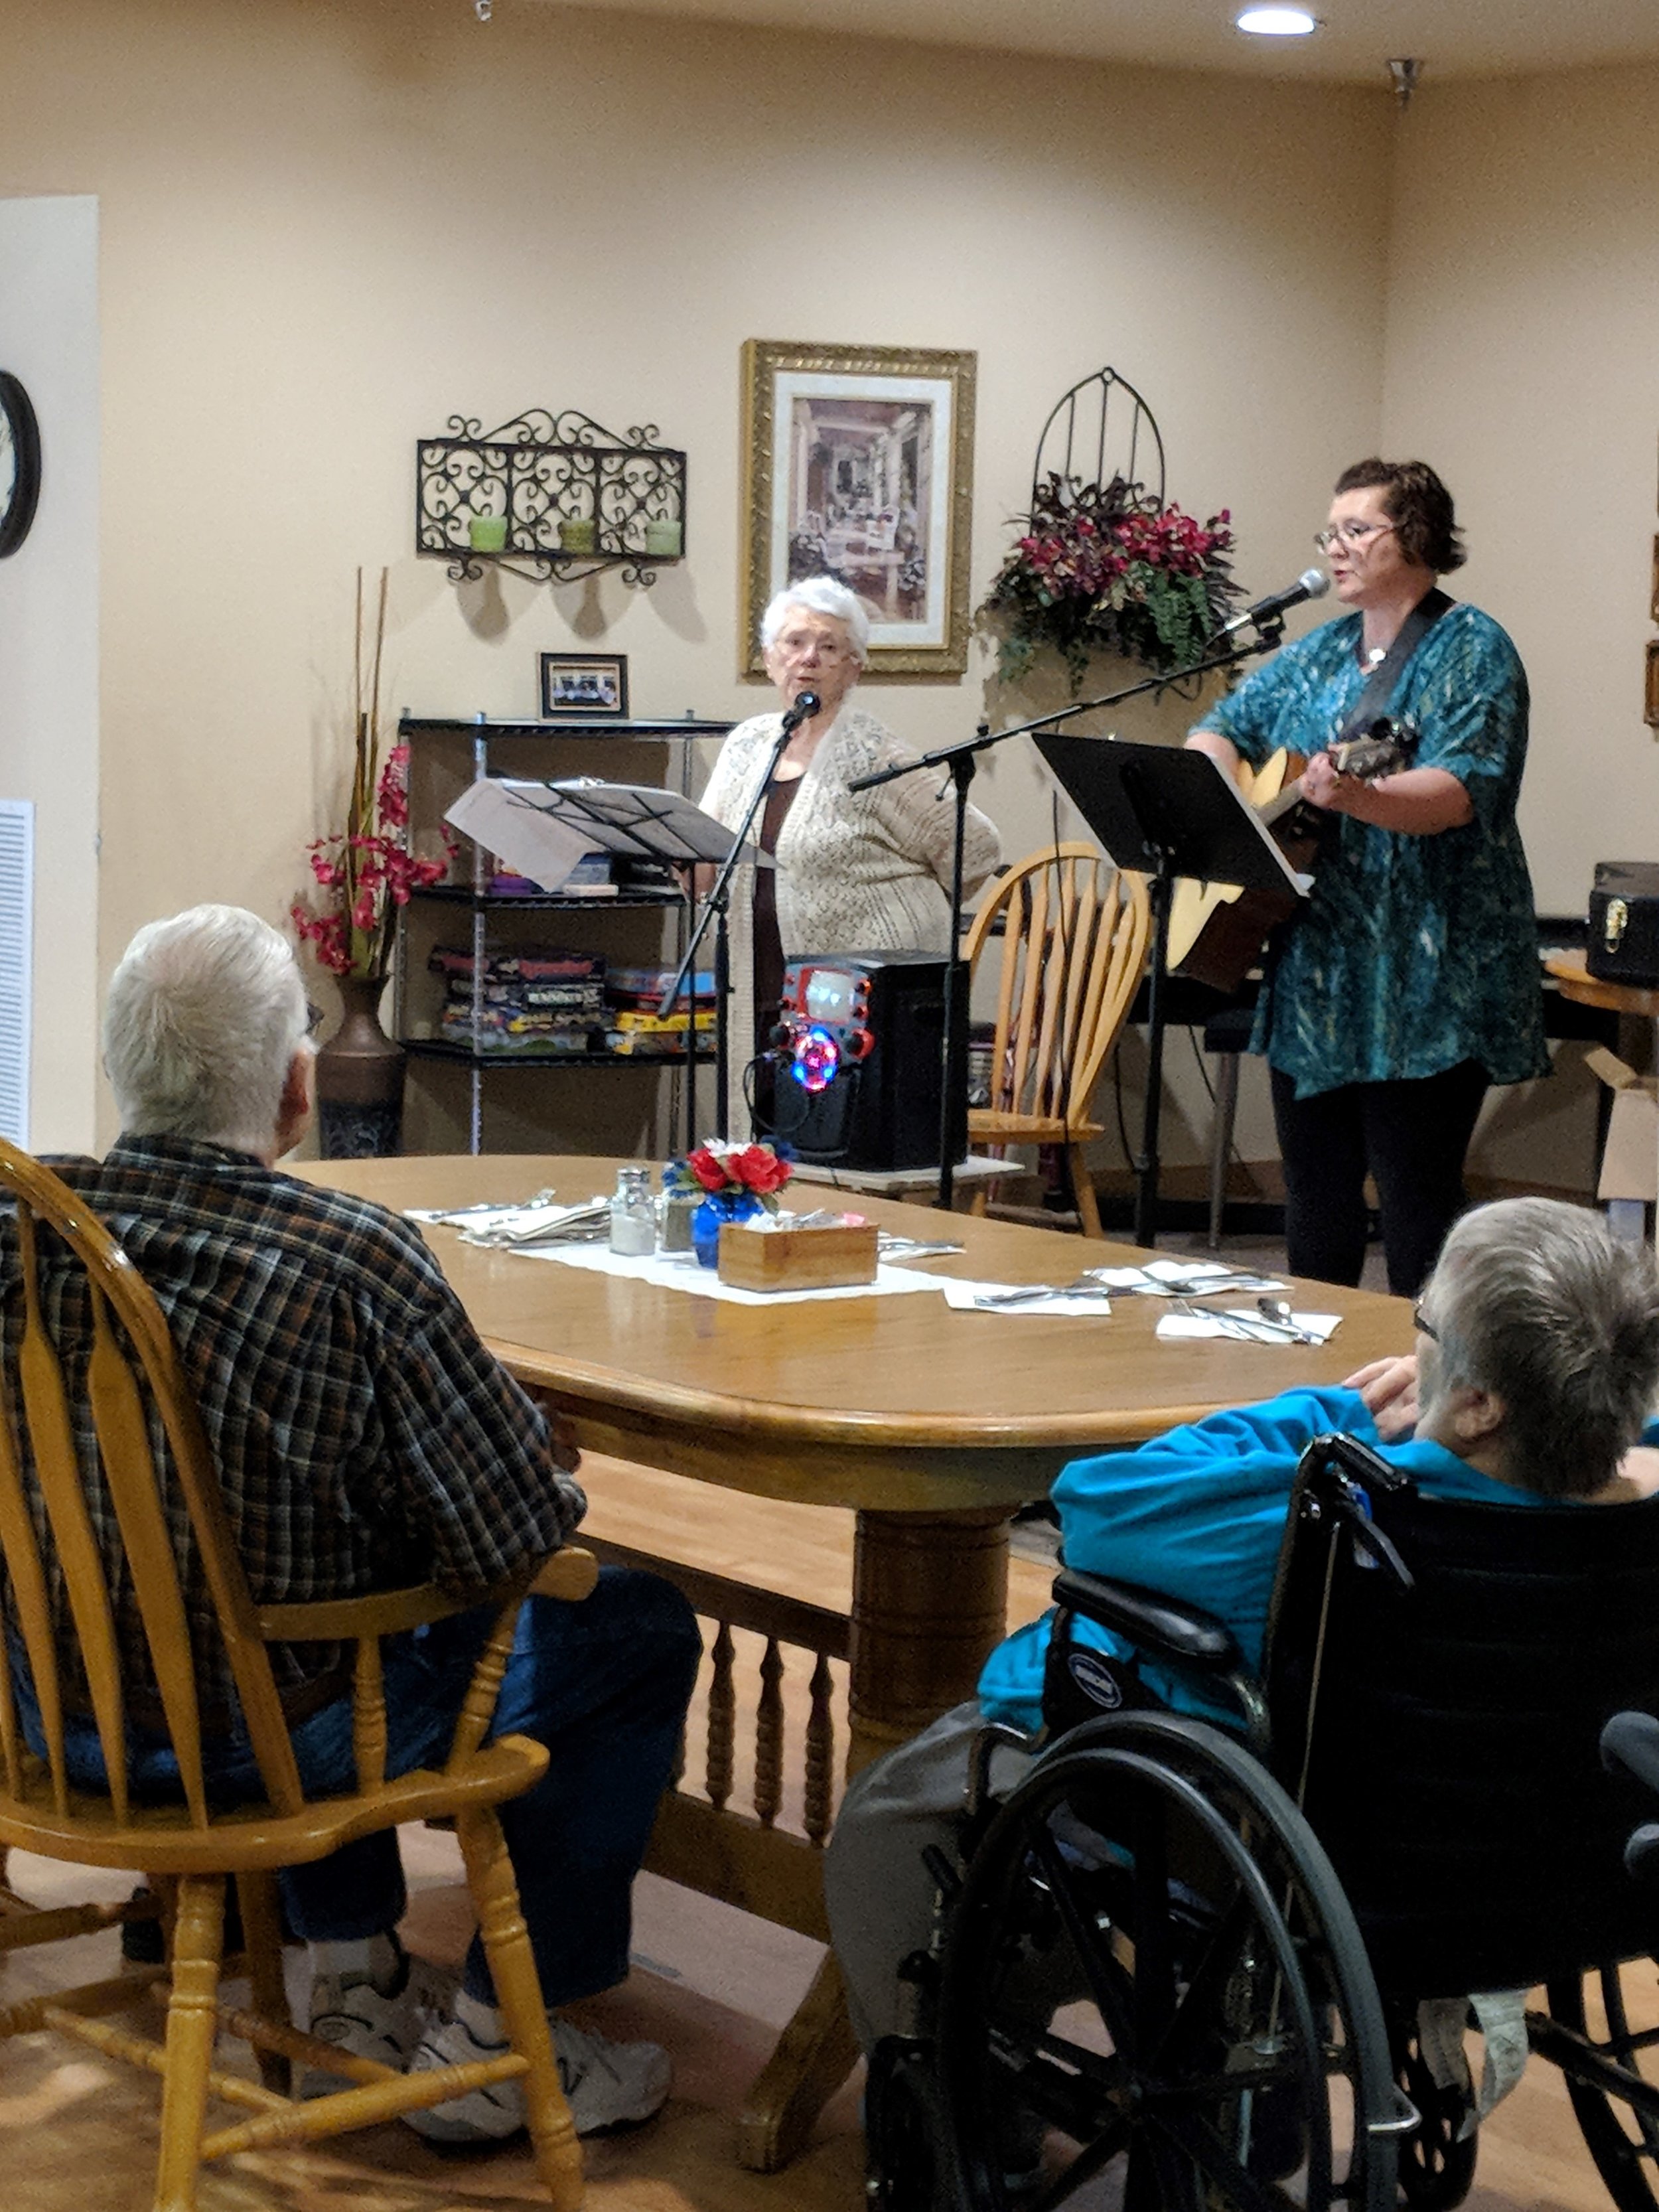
[
  {"x": 367, "y": 1440},
  {"x": 1536, "y": 1366}
]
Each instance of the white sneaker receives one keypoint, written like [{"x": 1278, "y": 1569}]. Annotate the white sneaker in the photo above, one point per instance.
[
  {"x": 349, "y": 2011},
  {"x": 607, "y": 2085}
]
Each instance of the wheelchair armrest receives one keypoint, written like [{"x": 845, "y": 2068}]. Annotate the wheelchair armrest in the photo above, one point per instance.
[{"x": 1150, "y": 1621}]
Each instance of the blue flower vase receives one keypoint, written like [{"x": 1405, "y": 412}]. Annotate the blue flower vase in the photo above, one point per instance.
[{"x": 716, "y": 1209}]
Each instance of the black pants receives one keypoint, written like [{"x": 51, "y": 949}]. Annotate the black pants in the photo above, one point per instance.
[{"x": 1411, "y": 1136}]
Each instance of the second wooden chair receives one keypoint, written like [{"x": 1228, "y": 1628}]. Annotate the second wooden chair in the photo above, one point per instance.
[{"x": 1073, "y": 948}]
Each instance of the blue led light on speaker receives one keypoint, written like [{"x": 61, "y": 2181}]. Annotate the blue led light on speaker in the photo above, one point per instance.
[{"x": 816, "y": 1059}]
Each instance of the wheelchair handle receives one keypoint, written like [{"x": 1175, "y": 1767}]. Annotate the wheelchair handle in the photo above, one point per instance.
[{"x": 1630, "y": 1742}]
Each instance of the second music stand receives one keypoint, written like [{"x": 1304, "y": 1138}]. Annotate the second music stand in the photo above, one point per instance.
[{"x": 1165, "y": 811}]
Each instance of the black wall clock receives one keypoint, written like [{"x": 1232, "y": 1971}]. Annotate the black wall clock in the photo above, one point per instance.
[{"x": 20, "y": 464}]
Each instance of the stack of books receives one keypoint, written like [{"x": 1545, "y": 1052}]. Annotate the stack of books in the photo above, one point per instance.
[
  {"x": 530, "y": 999},
  {"x": 632, "y": 996}
]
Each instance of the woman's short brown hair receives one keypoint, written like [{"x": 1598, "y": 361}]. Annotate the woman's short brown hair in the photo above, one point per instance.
[{"x": 1420, "y": 507}]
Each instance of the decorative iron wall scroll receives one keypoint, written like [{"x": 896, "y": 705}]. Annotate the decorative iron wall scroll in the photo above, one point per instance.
[
  {"x": 549, "y": 495},
  {"x": 1088, "y": 440}
]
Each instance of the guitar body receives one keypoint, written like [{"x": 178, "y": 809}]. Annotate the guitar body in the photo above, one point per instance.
[{"x": 1217, "y": 931}]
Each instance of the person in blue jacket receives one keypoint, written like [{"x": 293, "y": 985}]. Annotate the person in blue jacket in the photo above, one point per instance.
[{"x": 1532, "y": 1380}]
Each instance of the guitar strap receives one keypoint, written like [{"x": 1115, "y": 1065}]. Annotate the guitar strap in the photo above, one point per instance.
[{"x": 1379, "y": 690}]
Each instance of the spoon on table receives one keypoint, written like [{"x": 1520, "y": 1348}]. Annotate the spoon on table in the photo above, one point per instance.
[{"x": 1279, "y": 1313}]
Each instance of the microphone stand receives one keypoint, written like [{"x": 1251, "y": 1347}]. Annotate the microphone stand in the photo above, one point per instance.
[
  {"x": 714, "y": 908},
  {"x": 959, "y": 760}
]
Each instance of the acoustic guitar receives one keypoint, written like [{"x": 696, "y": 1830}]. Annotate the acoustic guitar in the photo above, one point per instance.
[{"x": 1217, "y": 931}]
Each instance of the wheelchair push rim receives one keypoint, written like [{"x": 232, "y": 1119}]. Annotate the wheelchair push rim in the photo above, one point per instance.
[{"x": 1151, "y": 1961}]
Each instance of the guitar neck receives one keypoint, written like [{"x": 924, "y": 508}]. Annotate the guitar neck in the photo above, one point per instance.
[
  {"x": 1277, "y": 809},
  {"x": 1364, "y": 757}
]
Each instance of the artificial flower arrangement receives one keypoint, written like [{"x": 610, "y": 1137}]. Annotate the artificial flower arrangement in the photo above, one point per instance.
[
  {"x": 366, "y": 869},
  {"x": 1105, "y": 569},
  {"x": 722, "y": 1169}
]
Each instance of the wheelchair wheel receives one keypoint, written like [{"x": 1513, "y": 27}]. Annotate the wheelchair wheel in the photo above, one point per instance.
[
  {"x": 1152, "y": 1962},
  {"x": 1622, "y": 2021},
  {"x": 901, "y": 2129},
  {"x": 1437, "y": 2160}
]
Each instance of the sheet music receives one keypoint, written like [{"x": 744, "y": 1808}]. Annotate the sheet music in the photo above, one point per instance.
[{"x": 541, "y": 830}]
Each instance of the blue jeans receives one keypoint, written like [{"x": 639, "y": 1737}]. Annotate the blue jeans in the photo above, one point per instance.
[{"x": 604, "y": 1685}]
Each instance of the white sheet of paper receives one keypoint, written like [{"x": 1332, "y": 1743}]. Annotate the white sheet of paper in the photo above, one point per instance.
[{"x": 533, "y": 844}]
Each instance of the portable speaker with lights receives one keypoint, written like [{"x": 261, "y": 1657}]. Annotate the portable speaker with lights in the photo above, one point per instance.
[{"x": 859, "y": 1037}]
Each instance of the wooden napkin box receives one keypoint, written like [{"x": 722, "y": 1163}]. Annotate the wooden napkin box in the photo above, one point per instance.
[{"x": 796, "y": 1258}]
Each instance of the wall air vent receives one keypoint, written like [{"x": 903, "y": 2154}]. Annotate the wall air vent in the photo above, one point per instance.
[{"x": 16, "y": 964}]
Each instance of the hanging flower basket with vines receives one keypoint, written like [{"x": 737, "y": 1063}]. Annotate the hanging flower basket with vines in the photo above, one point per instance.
[{"x": 1105, "y": 569}]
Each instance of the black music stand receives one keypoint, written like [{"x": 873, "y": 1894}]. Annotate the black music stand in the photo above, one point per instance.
[
  {"x": 542, "y": 830},
  {"x": 1165, "y": 811}
]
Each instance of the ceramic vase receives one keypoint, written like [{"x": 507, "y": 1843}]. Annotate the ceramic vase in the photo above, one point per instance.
[
  {"x": 711, "y": 1216},
  {"x": 360, "y": 1079}
]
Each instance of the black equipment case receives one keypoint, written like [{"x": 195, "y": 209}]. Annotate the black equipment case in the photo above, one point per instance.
[{"x": 1622, "y": 946}]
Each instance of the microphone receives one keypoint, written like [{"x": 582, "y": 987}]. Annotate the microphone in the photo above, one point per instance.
[
  {"x": 807, "y": 705},
  {"x": 1311, "y": 584}
]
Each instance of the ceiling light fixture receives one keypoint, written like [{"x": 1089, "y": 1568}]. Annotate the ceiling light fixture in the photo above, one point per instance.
[{"x": 1277, "y": 23}]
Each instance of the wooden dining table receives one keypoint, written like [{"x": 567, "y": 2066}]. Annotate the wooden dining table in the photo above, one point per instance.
[{"x": 932, "y": 1425}]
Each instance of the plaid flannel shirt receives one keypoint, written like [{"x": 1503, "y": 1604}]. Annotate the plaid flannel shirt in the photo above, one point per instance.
[{"x": 365, "y": 1438}]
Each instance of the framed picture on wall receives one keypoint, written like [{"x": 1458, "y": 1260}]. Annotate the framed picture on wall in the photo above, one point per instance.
[
  {"x": 583, "y": 687},
  {"x": 1653, "y": 605},
  {"x": 858, "y": 465},
  {"x": 1651, "y": 695}
]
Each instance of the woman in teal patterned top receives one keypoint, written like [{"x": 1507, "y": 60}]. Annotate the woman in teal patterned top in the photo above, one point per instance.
[{"x": 1410, "y": 981}]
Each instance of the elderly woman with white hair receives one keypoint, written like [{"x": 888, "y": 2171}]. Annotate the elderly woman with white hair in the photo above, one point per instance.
[{"x": 864, "y": 871}]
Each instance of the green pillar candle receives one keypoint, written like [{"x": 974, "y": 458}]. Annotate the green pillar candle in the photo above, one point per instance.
[
  {"x": 577, "y": 536},
  {"x": 487, "y": 533}
]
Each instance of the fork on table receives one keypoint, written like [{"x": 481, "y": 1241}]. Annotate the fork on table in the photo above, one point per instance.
[{"x": 1086, "y": 1286}]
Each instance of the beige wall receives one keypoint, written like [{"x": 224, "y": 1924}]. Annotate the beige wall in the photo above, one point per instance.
[
  {"x": 49, "y": 646},
  {"x": 1522, "y": 353},
  {"x": 326, "y": 229},
  {"x": 1523, "y": 340}
]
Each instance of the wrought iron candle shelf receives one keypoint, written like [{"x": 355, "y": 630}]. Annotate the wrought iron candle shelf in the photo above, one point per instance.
[{"x": 564, "y": 496}]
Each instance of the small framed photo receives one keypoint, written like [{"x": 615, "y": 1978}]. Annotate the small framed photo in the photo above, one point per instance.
[
  {"x": 1653, "y": 605},
  {"x": 583, "y": 687},
  {"x": 1650, "y": 700}
]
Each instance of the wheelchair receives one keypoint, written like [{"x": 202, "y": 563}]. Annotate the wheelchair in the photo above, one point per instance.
[{"x": 1180, "y": 1965}]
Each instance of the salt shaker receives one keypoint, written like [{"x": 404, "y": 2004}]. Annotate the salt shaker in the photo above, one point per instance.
[{"x": 634, "y": 1215}]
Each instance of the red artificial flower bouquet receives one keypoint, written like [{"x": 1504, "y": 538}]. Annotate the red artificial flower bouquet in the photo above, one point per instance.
[
  {"x": 1105, "y": 568},
  {"x": 757, "y": 1169},
  {"x": 366, "y": 869}
]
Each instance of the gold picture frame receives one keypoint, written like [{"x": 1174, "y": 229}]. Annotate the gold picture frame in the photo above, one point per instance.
[{"x": 859, "y": 462}]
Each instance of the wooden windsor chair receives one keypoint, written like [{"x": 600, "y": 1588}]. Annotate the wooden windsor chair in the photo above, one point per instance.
[
  {"x": 1075, "y": 931},
  {"x": 51, "y": 1542}
]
